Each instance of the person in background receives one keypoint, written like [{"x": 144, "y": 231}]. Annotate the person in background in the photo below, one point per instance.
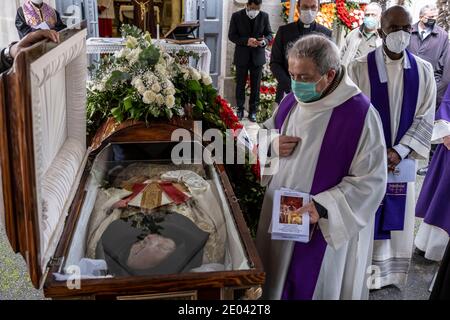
[
  {"x": 441, "y": 288},
  {"x": 430, "y": 42},
  {"x": 401, "y": 86},
  {"x": 251, "y": 32},
  {"x": 324, "y": 112},
  {"x": 35, "y": 15},
  {"x": 364, "y": 39},
  {"x": 287, "y": 35},
  {"x": 8, "y": 54},
  {"x": 105, "y": 18},
  {"x": 433, "y": 204}
]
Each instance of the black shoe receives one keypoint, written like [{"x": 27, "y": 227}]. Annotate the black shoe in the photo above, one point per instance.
[
  {"x": 422, "y": 171},
  {"x": 252, "y": 117},
  {"x": 419, "y": 252},
  {"x": 240, "y": 114}
]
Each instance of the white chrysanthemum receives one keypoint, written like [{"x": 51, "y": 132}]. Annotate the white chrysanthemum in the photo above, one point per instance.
[
  {"x": 206, "y": 78},
  {"x": 151, "y": 78},
  {"x": 133, "y": 56},
  {"x": 170, "y": 101},
  {"x": 122, "y": 53},
  {"x": 123, "y": 68},
  {"x": 170, "y": 91},
  {"x": 156, "y": 87},
  {"x": 136, "y": 81},
  {"x": 141, "y": 89},
  {"x": 132, "y": 42},
  {"x": 149, "y": 97},
  {"x": 169, "y": 84},
  {"x": 161, "y": 69},
  {"x": 185, "y": 72},
  {"x": 195, "y": 75},
  {"x": 160, "y": 100},
  {"x": 100, "y": 87}
]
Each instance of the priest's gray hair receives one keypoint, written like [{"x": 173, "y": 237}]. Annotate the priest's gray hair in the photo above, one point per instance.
[
  {"x": 324, "y": 53},
  {"x": 424, "y": 9}
]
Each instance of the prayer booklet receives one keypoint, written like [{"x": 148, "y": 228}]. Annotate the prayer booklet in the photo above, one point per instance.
[
  {"x": 287, "y": 223},
  {"x": 404, "y": 172},
  {"x": 43, "y": 26}
]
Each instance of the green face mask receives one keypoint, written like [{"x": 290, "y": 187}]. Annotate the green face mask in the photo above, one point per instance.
[{"x": 305, "y": 91}]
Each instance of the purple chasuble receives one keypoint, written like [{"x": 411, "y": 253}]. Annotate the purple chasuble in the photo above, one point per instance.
[
  {"x": 34, "y": 19},
  {"x": 391, "y": 213},
  {"x": 433, "y": 204},
  {"x": 336, "y": 155}
]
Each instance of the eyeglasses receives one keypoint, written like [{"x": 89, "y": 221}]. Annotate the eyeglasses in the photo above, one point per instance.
[{"x": 302, "y": 78}]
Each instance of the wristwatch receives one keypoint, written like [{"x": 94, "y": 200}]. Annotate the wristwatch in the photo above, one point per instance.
[{"x": 7, "y": 53}]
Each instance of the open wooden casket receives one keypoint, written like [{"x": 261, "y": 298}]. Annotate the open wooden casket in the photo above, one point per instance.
[{"x": 52, "y": 183}]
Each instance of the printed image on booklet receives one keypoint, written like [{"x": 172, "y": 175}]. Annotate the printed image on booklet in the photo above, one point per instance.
[{"x": 287, "y": 222}]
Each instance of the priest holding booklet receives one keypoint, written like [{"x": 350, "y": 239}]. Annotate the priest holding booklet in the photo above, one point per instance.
[{"x": 330, "y": 145}]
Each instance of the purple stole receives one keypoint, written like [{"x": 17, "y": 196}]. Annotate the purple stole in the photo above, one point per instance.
[
  {"x": 336, "y": 155},
  {"x": 33, "y": 18},
  {"x": 390, "y": 215},
  {"x": 433, "y": 204}
]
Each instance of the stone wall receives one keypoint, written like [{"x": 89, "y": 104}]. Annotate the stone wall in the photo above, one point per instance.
[{"x": 226, "y": 83}]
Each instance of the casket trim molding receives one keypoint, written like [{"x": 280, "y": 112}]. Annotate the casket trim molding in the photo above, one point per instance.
[{"x": 57, "y": 177}]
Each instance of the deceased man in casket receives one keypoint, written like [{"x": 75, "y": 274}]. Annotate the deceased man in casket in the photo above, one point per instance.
[{"x": 149, "y": 219}]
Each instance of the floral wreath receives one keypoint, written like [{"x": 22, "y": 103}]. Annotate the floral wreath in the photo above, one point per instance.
[{"x": 351, "y": 15}]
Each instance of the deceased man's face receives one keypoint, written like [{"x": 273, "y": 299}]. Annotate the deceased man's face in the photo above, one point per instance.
[{"x": 150, "y": 252}]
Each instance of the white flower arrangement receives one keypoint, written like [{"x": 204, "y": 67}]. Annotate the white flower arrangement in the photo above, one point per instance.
[{"x": 138, "y": 82}]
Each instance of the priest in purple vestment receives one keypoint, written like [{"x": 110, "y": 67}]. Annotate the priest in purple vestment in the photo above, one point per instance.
[
  {"x": 401, "y": 87},
  {"x": 329, "y": 144}
]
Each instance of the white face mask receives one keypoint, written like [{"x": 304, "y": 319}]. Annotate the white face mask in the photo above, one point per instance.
[
  {"x": 308, "y": 16},
  {"x": 38, "y": 2},
  {"x": 252, "y": 14},
  {"x": 398, "y": 41}
]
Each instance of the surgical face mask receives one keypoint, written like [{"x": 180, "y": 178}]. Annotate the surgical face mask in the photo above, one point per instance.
[
  {"x": 38, "y": 2},
  {"x": 397, "y": 41},
  {"x": 252, "y": 14},
  {"x": 370, "y": 22},
  {"x": 305, "y": 91},
  {"x": 430, "y": 23},
  {"x": 308, "y": 16}
]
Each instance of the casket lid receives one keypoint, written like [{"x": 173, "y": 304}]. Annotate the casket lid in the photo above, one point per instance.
[{"x": 44, "y": 113}]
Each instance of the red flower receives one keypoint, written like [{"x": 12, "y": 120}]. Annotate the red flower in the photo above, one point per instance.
[
  {"x": 227, "y": 114},
  {"x": 344, "y": 15},
  {"x": 256, "y": 169}
]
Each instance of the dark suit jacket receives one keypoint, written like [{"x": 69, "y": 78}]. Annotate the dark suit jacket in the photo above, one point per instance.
[
  {"x": 287, "y": 35},
  {"x": 23, "y": 28},
  {"x": 4, "y": 64},
  {"x": 441, "y": 289},
  {"x": 241, "y": 30}
]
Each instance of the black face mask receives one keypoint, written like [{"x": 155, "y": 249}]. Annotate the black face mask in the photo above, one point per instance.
[{"x": 430, "y": 23}]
